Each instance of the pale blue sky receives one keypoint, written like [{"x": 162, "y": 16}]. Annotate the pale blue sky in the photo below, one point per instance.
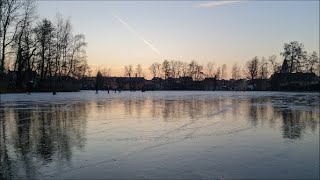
[{"x": 116, "y": 31}]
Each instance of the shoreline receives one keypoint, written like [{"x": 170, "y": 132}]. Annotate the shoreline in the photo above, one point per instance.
[{"x": 111, "y": 91}]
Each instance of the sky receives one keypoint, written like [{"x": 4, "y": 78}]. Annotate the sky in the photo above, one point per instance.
[{"x": 224, "y": 32}]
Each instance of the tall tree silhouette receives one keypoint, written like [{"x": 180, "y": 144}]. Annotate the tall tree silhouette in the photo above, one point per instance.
[
  {"x": 252, "y": 69},
  {"x": 312, "y": 62},
  {"x": 295, "y": 55}
]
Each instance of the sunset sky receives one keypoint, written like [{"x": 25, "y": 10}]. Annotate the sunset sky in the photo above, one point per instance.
[{"x": 122, "y": 33}]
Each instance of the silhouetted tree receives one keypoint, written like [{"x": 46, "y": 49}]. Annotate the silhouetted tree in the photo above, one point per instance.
[
  {"x": 210, "y": 69},
  {"x": 139, "y": 70},
  {"x": 263, "y": 68},
  {"x": 128, "y": 70},
  {"x": 155, "y": 69},
  {"x": 224, "y": 71},
  {"x": 24, "y": 41},
  {"x": 48, "y": 48},
  {"x": 66, "y": 39},
  {"x": 274, "y": 65},
  {"x": 57, "y": 44},
  {"x": 9, "y": 18},
  {"x": 312, "y": 62},
  {"x": 76, "y": 55},
  {"x": 184, "y": 69},
  {"x": 173, "y": 69},
  {"x": 199, "y": 73},
  {"x": 193, "y": 68},
  {"x": 235, "y": 71},
  {"x": 295, "y": 54},
  {"x": 44, "y": 34},
  {"x": 85, "y": 71},
  {"x": 166, "y": 69},
  {"x": 179, "y": 68},
  {"x": 252, "y": 69},
  {"x": 218, "y": 73}
]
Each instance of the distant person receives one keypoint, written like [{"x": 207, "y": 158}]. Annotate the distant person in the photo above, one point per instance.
[
  {"x": 29, "y": 86},
  {"x": 96, "y": 88}
]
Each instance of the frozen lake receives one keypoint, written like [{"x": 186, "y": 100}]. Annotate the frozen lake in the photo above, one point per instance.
[{"x": 159, "y": 135}]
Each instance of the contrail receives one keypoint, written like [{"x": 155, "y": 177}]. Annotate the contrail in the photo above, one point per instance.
[
  {"x": 125, "y": 24},
  {"x": 215, "y": 3}
]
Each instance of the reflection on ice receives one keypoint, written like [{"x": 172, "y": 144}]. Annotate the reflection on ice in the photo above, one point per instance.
[
  {"x": 142, "y": 134},
  {"x": 32, "y": 138}
]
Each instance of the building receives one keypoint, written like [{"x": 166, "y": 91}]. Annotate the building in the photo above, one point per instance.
[
  {"x": 294, "y": 81},
  {"x": 262, "y": 84},
  {"x": 88, "y": 83},
  {"x": 210, "y": 84},
  {"x": 239, "y": 84},
  {"x": 285, "y": 81}
]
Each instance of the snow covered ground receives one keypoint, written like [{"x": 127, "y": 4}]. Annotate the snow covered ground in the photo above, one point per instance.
[{"x": 174, "y": 134}]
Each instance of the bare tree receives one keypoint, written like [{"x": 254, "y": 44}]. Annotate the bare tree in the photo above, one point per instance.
[
  {"x": 44, "y": 34},
  {"x": 274, "y": 65},
  {"x": 85, "y": 70},
  {"x": 252, "y": 69},
  {"x": 263, "y": 68},
  {"x": 139, "y": 72},
  {"x": 224, "y": 71},
  {"x": 184, "y": 69},
  {"x": 158, "y": 68},
  {"x": 311, "y": 62},
  {"x": 235, "y": 71},
  {"x": 210, "y": 69},
  {"x": 58, "y": 43},
  {"x": 295, "y": 54},
  {"x": 66, "y": 40},
  {"x": 155, "y": 69},
  {"x": 218, "y": 73},
  {"x": 173, "y": 69},
  {"x": 9, "y": 16},
  {"x": 166, "y": 69},
  {"x": 179, "y": 67},
  {"x": 193, "y": 69},
  {"x": 24, "y": 40},
  {"x": 76, "y": 54},
  {"x": 128, "y": 70},
  {"x": 199, "y": 73}
]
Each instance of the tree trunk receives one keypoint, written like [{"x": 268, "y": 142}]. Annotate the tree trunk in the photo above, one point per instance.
[
  {"x": 42, "y": 59},
  {"x": 3, "y": 51}
]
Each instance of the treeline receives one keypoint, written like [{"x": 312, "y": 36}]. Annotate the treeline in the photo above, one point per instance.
[
  {"x": 29, "y": 43},
  {"x": 298, "y": 61},
  {"x": 175, "y": 69},
  {"x": 297, "y": 58}
]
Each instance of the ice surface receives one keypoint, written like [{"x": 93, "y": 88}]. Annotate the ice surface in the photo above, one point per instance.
[{"x": 175, "y": 134}]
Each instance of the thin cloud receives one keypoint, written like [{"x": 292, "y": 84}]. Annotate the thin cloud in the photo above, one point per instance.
[
  {"x": 215, "y": 4},
  {"x": 127, "y": 26}
]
